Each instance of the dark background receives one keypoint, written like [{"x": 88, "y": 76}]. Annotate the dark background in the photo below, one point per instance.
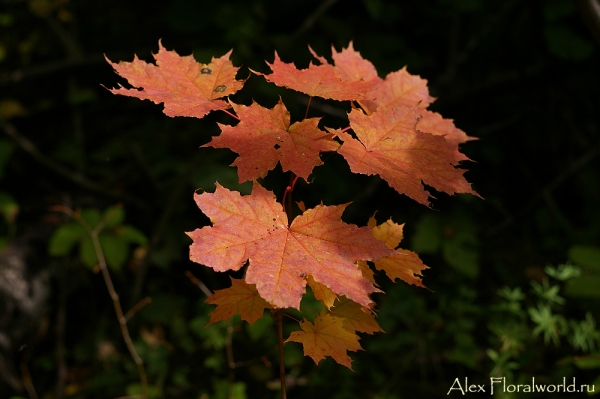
[{"x": 521, "y": 76}]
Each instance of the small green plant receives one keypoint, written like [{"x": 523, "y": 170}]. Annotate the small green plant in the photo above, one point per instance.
[{"x": 521, "y": 319}]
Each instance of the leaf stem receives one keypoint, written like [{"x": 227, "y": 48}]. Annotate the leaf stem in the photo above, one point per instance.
[
  {"x": 230, "y": 114},
  {"x": 307, "y": 107},
  {"x": 279, "y": 319},
  {"x": 287, "y": 197}
]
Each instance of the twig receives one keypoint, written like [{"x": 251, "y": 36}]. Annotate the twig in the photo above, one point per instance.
[
  {"x": 313, "y": 18},
  {"x": 542, "y": 194},
  {"x": 48, "y": 68},
  {"x": 163, "y": 221},
  {"x": 27, "y": 382},
  {"x": 199, "y": 283},
  {"x": 279, "y": 319},
  {"x": 93, "y": 233},
  {"x": 137, "y": 307},
  {"x": 75, "y": 177},
  {"x": 456, "y": 59},
  {"x": 590, "y": 12},
  {"x": 230, "y": 359},
  {"x": 61, "y": 321}
]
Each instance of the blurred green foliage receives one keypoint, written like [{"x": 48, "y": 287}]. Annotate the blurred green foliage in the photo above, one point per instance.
[{"x": 519, "y": 75}]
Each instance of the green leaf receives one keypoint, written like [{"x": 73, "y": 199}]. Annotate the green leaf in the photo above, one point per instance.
[
  {"x": 588, "y": 362},
  {"x": 87, "y": 253},
  {"x": 131, "y": 235},
  {"x": 8, "y": 207},
  {"x": 115, "y": 249},
  {"x": 460, "y": 253},
  {"x": 428, "y": 235},
  {"x": 135, "y": 390},
  {"x": 91, "y": 216},
  {"x": 585, "y": 256},
  {"x": 114, "y": 216},
  {"x": 566, "y": 44},
  {"x": 586, "y": 287},
  {"x": 64, "y": 238}
]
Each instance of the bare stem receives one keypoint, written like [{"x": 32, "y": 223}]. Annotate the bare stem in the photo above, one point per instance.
[
  {"x": 231, "y": 114},
  {"x": 279, "y": 319},
  {"x": 307, "y": 107},
  {"x": 93, "y": 233}
]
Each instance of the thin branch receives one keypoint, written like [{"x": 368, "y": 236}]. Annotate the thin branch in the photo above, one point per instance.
[
  {"x": 162, "y": 222},
  {"x": 71, "y": 46},
  {"x": 61, "y": 322},
  {"x": 551, "y": 186},
  {"x": 458, "y": 58},
  {"x": 590, "y": 12},
  {"x": 279, "y": 319},
  {"x": 138, "y": 306},
  {"x": 313, "y": 18},
  {"x": 75, "y": 177},
  {"x": 93, "y": 234},
  {"x": 49, "y": 68},
  {"x": 199, "y": 283},
  {"x": 230, "y": 358},
  {"x": 27, "y": 382}
]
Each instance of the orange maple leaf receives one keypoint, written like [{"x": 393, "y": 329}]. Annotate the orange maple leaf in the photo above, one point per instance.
[
  {"x": 317, "y": 243},
  {"x": 403, "y": 264},
  {"x": 356, "y": 318},
  {"x": 323, "y": 80},
  {"x": 240, "y": 298},
  {"x": 350, "y": 65},
  {"x": 264, "y": 137},
  {"x": 185, "y": 86},
  {"x": 434, "y": 123},
  {"x": 390, "y": 145},
  {"x": 326, "y": 337},
  {"x": 321, "y": 292},
  {"x": 398, "y": 88}
]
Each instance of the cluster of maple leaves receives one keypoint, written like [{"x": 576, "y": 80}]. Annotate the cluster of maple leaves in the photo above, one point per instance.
[{"x": 395, "y": 137}]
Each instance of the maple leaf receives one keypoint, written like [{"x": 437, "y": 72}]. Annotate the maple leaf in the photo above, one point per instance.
[
  {"x": 356, "y": 318},
  {"x": 185, "y": 86},
  {"x": 240, "y": 298},
  {"x": 403, "y": 264},
  {"x": 398, "y": 88},
  {"x": 434, "y": 123},
  {"x": 351, "y": 66},
  {"x": 317, "y": 80},
  {"x": 321, "y": 292},
  {"x": 264, "y": 137},
  {"x": 390, "y": 145},
  {"x": 326, "y": 337},
  {"x": 317, "y": 243}
]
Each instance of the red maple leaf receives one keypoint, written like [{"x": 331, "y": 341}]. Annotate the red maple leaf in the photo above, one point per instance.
[
  {"x": 390, "y": 146},
  {"x": 185, "y": 86},
  {"x": 317, "y": 243},
  {"x": 434, "y": 123},
  {"x": 325, "y": 80},
  {"x": 264, "y": 137},
  {"x": 398, "y": 88},
  {"x": 350, "y": 65}
]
